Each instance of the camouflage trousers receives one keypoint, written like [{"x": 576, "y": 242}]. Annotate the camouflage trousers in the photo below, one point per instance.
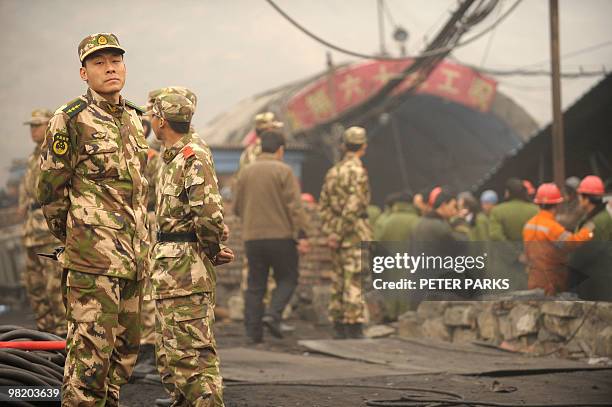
[
  {"x": 186, "y": 351},
  {"x": 147, "y": 335},
  {"x": 103, "y": 337},
  {"x": 147, "y": 315},
  {"x": 346, "y": 304},
  {"x": 42, "y": 279}
]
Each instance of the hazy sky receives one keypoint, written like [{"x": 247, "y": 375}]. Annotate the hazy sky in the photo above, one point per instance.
[{"x": 228, "y": 50}]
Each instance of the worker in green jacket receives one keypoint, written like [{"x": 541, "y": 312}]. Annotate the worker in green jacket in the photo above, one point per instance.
[
  {"x": 590, "y": 263},
  {"x": 401, "y": 220},
  {"x": 373, "y": 213},
  {"x": 477, "y": 223},
  {"x": 506, "y": 224},
  {"x": 507, "y": 219},
  {"x": 480, "y": 230},
  {"x": 381, "y": 220}
]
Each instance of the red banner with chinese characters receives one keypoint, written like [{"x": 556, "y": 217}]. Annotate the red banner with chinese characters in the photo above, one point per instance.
[{"x": 349, "y": 86}]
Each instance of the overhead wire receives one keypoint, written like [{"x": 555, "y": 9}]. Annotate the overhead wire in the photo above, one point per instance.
[
  {"x": 427, "y": 53},
  {"x": 536, "y": 72},
  {"x": 574, "y": 53},
  {"x": 490, "y": 40},
  {"x": 521, "y": 71}
]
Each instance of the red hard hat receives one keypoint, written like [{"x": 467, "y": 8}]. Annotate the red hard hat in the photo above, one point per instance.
[
  {"x": 591, "y": 185},
  {"x": 548, "y": 194},
  {"x": 306, "y": 197},
  {"x": 529, "y": 187},
  {"x": 433, "y": 195}
]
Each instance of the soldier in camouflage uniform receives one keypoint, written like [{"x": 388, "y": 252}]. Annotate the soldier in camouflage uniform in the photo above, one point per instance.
[
  {"x": 147, "y": 337},
  {"x": 151, "y": 174},
  {"x": 343, "y": 204},
  {"x": 94, "y": 198},
  {"x": 189, "y": 214},
  {"x": 42, "y": 277}
]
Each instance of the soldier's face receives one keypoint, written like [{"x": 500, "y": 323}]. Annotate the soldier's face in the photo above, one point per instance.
[
  {"x": 104, "y": 72},
  {"x": 37, "y": 132},
  {"x": 155, "y": 125}
]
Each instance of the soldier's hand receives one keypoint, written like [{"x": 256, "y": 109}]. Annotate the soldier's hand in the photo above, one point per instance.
[
  {"x": 303, "y": 246},
  {"x": 226, "y": 255},
  {"x": 226, "y": 233}
]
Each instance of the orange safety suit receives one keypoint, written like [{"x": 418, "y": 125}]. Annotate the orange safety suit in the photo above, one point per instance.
[{"x": 547, "y": 245}]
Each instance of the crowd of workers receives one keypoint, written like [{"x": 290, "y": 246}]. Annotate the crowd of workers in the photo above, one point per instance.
[{"x": 551, "y": 226}]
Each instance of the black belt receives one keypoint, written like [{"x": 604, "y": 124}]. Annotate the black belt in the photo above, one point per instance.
[
  {"x": 177, "y": 237},
  {"x": 35, "y": 206}
]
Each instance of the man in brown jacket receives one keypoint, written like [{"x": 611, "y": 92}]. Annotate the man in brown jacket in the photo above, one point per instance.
[{"x": 267, "y": 199}]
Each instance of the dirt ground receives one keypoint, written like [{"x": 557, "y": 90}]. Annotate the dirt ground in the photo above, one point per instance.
[{"x": 567, "y": 388}]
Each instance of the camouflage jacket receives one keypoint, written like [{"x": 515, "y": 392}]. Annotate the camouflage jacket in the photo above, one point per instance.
[
  {"x": 91, "y": 187},
  {"x": 188, "y": 200},
  {"x": 36, "y": 231},
  {"x": 250, "y": 154},
  {"x": 151, "y": 174},
  {"x": 344, "y": 201}
]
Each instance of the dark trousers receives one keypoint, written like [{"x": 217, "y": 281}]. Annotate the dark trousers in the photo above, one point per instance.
[{"x": 281, "y": 255}]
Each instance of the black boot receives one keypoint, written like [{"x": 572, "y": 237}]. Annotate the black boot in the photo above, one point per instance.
[
  {"x": 163, "y": 402},
  {"x": 273, "y": 326},
  {"x": 339, "y": 330},
  {"x": 354, "y": 331}
]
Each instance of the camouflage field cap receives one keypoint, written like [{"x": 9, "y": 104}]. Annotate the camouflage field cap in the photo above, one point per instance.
[
  {"x": 267, "y": 121},
  {"x": 173, "y": 107},
  {"x": 354, "y": 135},
  {"x": 39, "y": 116},
  {"x": 96, "y": 42},
  {"x": 176, "y": 90}
]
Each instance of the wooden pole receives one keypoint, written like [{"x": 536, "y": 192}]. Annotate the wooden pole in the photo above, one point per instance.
[{"x": 558, "y": 141}]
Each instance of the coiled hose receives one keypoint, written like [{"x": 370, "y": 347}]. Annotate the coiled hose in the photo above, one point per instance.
[{"x": 19, "y": 367}]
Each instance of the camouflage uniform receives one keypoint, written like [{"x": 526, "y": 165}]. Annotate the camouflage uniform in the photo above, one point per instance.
[
  {"x": 343, "y": 204},
  {"x": 183, "y": 277},
  {"x": 151, "y": 174},
  {"x": 94, "y": 199},
  {"x": 250, "y": 154},
  {"x": 42, "y": 277}
]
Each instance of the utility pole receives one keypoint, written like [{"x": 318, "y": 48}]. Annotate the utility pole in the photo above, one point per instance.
[
  {"x": 381, "y": 27},
  {"x": 558, "y": 141}
]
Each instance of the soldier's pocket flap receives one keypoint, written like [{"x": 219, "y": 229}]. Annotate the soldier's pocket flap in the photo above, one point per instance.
[
  {"x": 98, "y": 146},
  {"x": 168, "y": 249},
  {"x": 174, "y": 190},
  {"x": 98, "y": 217},
  {"x": 142, "y": 143},
  {"x": 189, "y": 313}
]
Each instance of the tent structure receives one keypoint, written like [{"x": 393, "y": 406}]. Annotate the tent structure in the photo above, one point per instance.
[{"x": 452, "y": 130}]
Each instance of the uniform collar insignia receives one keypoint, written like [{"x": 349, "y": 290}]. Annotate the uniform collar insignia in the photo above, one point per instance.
[
  {"x": 171, "y": 152},
  {"x": 95, "y": 98}
]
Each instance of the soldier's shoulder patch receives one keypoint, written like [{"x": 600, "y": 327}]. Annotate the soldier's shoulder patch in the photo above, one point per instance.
[
  {"x": 187, "y": 152},
  {"x": 60, "y": 145},
  {"x": 75, "y": 107},
  {"x": 139, "y": 109}
]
